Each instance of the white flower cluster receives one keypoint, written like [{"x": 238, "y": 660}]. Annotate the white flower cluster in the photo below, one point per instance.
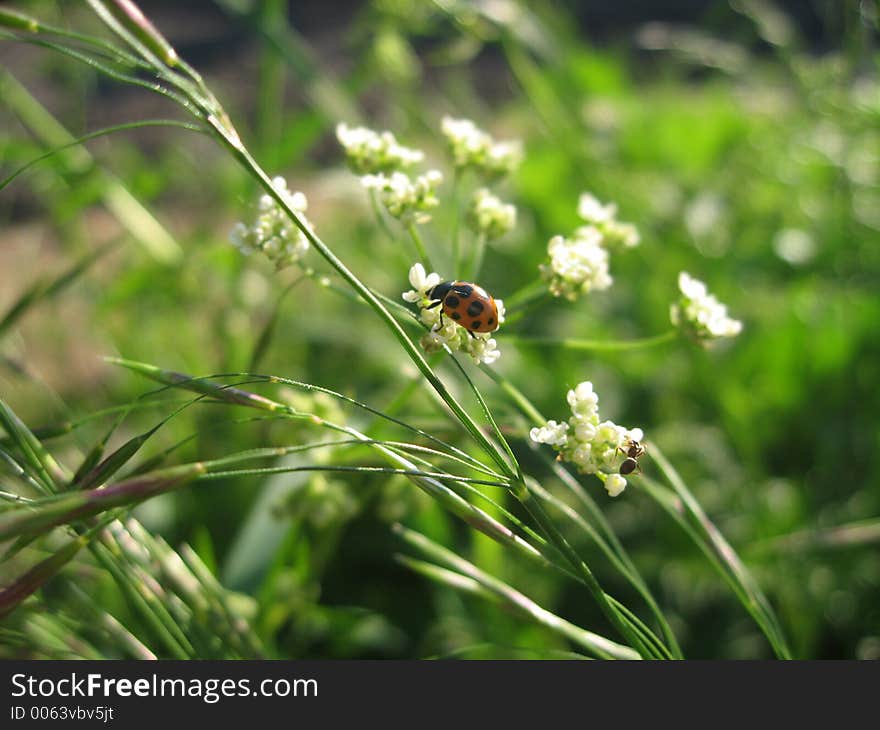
[
  {"x": 615, "y": 233},
  {"x": 368, "y": 151},
  {"x": 471, "y": 147},
  {"x": 585, "y": 441},
  {"x": 482, "y": 347},
  {"x": 699, "y": 314},
  {"x": 273, "y": 233},
  {"x": 488, "y": 216},
  {"x": 405, "y": 198},
  {"x": 579, "y": 264}
]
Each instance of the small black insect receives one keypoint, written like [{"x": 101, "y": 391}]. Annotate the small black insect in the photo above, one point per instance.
[{"x": 632, "y": 449}]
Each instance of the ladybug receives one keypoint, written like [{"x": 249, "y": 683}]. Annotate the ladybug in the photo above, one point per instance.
[{"x": 466, "y": 304}]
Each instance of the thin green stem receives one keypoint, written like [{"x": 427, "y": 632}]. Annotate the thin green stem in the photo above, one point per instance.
[
  {"x": 440, "y": 476},
  {"x": 413, "y": 231},
  {"x": 380, "y": 217},
  {"x": 527, "y": 293},
  {"x": 600, "y": 645},
  {"x": 595, "y": 345},
  {"x": 519, "y": 309},
  {"x": 548, "y": 527},
  {"x": 100, "y": 133},
  {"x": 479, "y": 253},
  {"x": 456, "y": 223}
]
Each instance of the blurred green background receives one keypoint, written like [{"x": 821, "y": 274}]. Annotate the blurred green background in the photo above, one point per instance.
[{"x": 742, "y": 138}]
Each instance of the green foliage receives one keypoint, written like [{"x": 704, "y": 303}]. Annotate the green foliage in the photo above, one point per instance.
[{"x": 332, "y": 491}]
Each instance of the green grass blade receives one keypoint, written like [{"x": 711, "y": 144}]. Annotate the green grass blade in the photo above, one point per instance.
[
  {"x": 144, "y": 602},
  {"x": 688, "y": 512},
  {"x": 13, "y": 594},
  {"x": 101, "y": 133},
  {"x": 48, "y": 472},
  {"x": 235, "y": 395},
  {"x": 598, "y": 645},
  {"x": 42, "y": 515}
]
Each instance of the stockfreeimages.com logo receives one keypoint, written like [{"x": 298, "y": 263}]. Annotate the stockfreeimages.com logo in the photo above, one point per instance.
[{"x": 209, "y": 690}]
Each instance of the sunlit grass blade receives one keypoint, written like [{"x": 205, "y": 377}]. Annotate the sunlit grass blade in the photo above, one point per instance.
[
  {"x": 466, "y": 576},
  {"x": 42, "y": 515},
  {"x": 107, "y": 624},
  {"x": 51, "y": 637},
  {"x": 131, "y": 17},
  {"x": 138, "y": 557},
  {"x": 101, "y": 472},
  {"x": 273, "y": 452},
  {"x": 239, "y": 631},
  {"x": 92, "y": 473},
  {"x": 645, "y": 634},
  {"x": 685, "y": 509},
  {"x": 341, "y": 468},
  {"x": 231, "y": 394},
  {"x": 618, "y": 619},
  {"x": 48, "y": 472},
  {"x": 145, "y": 603},
  {"x": 12, "y": 463},
  {"x": 490, "y": 419},
  {"x": 183, "y": 573},
  {"x": 619, "y": 558},
  {"x": 495, "y": 651},
  {"x": 18, "y": 21},
  {"x": 472, "y": 515}
]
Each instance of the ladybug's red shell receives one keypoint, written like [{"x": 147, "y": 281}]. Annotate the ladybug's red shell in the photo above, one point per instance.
[{"x": 468, "y": 305}]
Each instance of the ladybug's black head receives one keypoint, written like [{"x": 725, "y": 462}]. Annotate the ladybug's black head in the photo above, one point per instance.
[{"x": 439, "y": 292}]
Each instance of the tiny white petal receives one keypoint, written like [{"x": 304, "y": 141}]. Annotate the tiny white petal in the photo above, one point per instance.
[
  {"x": 615, "y": 484},
  {"x": 417, "y": 275}
]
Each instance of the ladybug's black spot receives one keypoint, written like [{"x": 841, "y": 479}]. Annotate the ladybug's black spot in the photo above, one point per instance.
[
  {"x": 456, "y": 315},
  {"x": 475, "y": 308},
  {"x": 476, "y": 324},
  {"x": 463, "y": 290},
  {"x": 452, "y": 301},
  {"x": 491, "y": 320}
]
